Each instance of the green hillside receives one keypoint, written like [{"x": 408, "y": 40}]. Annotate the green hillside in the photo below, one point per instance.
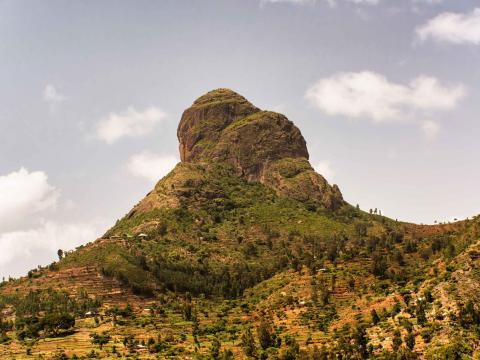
[{"x": 243, "y": 251}]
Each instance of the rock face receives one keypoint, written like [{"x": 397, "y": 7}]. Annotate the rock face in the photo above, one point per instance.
[
  {"x": 202, "y": 124},
  {"x": 264, "y": 146}
]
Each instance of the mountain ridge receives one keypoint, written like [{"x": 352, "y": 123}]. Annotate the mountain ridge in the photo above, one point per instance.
[{"x": 244, "y": 251}]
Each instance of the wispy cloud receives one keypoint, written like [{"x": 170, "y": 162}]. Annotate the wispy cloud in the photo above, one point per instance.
[
  {"x": 151, "y": 166},
  {"x": 372, "y": 96},
  {"x": 456, "y": 28},
  {"x": 52, "y": 95},
  {"x": 430, "y": 129},
  {"x": 129, "y": 123}
]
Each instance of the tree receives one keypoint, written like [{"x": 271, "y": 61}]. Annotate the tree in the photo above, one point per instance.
[
  {"x": 332, "y": 251},
  {"x": 227, "y": 355},
  {"x": 162, "y": 229},
  {"x": 215, "y": 349},
  {"x": 333, "y": 281},
  {"x": 375, "y": 317},
  {"x": 54, "y": 323},
  {"x": 248, "y": 343},
  {"x": 410, "y": 340},
  {"x": 324, "y": 293},
  {"x": 101, "y": 339},
  {"x": 420, "y": 313},
  {"x": 410, "y": 246},
  {"x": 397, "y": 340},
  {"x": 266, "y": 336},
  {"x": 314, "y": 292},
  {"x": 450, "y": 250},
  {"x": 60, "y": 254},
  {"x": 379, "y": 265},
  {"x": 361, "y": 228},
  {"x": 293, "y": 349},
  {"x": 351, "y": 284},
  {"x": 187, "y": 310},
  {"x": 319, "y": 353},
  {"x": 428, "y": 295},
  {"x": 468, "y": 315},
  {"x": 360, "y": 338},
  {"x": 195, "y": 327}
]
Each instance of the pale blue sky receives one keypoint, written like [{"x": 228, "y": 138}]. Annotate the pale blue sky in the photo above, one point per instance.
[{"x": 68, "y": 67}]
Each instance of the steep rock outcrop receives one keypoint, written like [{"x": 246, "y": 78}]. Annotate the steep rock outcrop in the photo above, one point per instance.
[
  {"x": 264, "y": 146},
  {"x": 202, "y": 124}
]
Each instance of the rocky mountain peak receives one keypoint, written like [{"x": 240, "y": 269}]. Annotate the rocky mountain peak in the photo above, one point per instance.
[
  {"x": 264, "y": 146},
  {"x": 203, "y": 123}
]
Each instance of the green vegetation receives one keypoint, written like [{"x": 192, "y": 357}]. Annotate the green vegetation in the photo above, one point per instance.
[
  {"x": 212, "y": 266},
  {"x": 231, "y": 272}
]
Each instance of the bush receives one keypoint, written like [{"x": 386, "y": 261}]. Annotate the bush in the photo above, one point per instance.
[{"x": 100, "y": 339}]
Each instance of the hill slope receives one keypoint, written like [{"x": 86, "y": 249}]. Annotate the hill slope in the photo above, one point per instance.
[{"x": 243, "y": 250}]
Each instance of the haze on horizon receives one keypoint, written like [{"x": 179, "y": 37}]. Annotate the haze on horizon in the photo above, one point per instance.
[{"x": 385, "y": 92}]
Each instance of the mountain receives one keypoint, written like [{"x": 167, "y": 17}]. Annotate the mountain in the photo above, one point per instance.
[{"x": 244, "y": 251}]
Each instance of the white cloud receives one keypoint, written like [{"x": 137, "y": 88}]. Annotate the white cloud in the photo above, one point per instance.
[
  {"x": 26, "y": 239},
  {"x": 22, "y": 195},
  {"x": 430, "y": 129},
  {"x": 371, "y": 95},
  {"x": 25, "y": 249},
  {"x": 450, "y": 27},
  {"x": 130, "y": 123},
  {"x": 332, "y": 3},
  {"x": 325, "y": 169},
  {"x": 367, "y": 2},
  {"x": 151, "y": 166},
  {"x": 430, "y": 2},
  {"x": 288, "y": 1},
  {"x": 52, "y": 95}
]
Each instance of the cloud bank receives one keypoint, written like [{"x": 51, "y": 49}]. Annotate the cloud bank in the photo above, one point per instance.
[
  {"x": 372, "y": 96},
  {"x": 23, "y": 195},
  {"x": 32, "y": 247},
  {"x": 26, "y": 238},
  {"x": 129, "y": 123}
]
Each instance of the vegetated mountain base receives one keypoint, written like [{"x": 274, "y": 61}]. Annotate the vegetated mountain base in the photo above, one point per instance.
[{"x": 245, "y": 252}]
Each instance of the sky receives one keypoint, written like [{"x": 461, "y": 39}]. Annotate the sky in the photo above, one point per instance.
[{"x": 386, "y": 93}]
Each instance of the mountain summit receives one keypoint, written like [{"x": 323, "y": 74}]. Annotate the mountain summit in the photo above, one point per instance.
[
  {"x": 264, "y": 146},
  {"x": 222, "y": 127}
]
